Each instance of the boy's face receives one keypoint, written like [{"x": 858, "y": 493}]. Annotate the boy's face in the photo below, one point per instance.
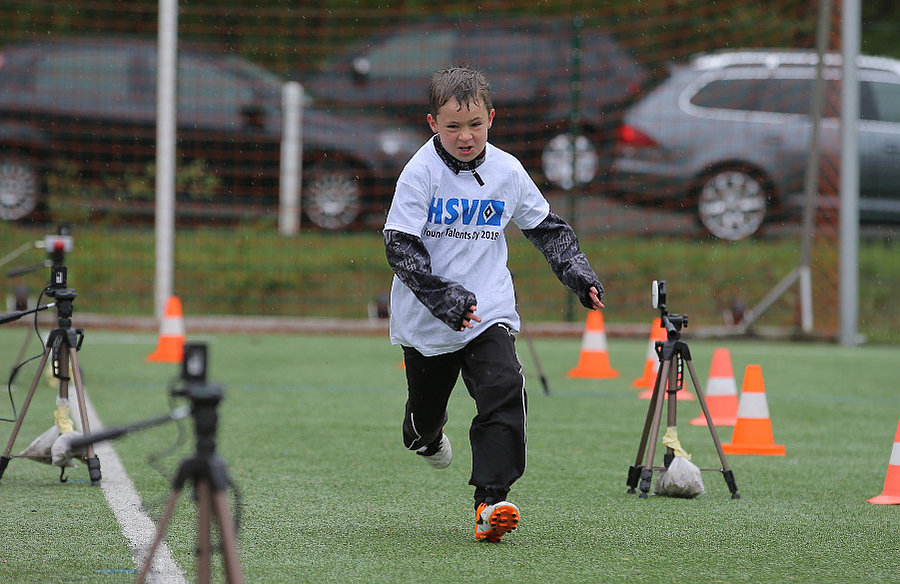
[{"x": 463, "y": 130}]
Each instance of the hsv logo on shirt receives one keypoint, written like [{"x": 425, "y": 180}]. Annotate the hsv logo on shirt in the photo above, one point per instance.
[{"x": 481, "y": 211}]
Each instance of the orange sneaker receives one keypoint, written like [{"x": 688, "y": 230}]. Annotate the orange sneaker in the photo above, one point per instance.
[{"x": 494, "y": 521}]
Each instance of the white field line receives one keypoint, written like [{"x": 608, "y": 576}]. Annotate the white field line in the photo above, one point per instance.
[{"x": 122, "y": 497}]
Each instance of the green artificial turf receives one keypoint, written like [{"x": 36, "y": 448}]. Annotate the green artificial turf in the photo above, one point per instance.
[{"x": 310, "y": 430}]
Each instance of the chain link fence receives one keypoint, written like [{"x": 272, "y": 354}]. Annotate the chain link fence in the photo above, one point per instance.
[{"x": 668, "y": 167}]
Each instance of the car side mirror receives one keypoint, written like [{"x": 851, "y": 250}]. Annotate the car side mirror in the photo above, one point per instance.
[
  {"x": 253, "y": 117},
  {"x": 362, "y": 68}
]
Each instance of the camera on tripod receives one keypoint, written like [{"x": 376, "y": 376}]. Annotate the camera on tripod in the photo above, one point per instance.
[
  {"x": 671, "y": 322},
  {"x": 204, "y": 397},
  {"x": 58, "y": 287}
]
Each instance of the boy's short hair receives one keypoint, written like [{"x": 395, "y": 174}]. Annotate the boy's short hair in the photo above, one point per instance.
[{"x": 467, "y": 85}]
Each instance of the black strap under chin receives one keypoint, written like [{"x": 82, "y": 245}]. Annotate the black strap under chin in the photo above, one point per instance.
[{"x": 455, "y": 164}]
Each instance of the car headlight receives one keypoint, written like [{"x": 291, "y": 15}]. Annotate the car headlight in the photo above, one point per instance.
[{"x": 397, "y": 142}]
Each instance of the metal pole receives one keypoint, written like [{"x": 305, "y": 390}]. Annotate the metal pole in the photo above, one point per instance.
[
  {"x": 811, "y": 186},
  {"x": 166, "y": 80},
  {"x": 803, "y": 273},
  {"x": 574, "y": 131},
  {"x": 849, "y": 220},
  {"x": 291, "y": 158}
]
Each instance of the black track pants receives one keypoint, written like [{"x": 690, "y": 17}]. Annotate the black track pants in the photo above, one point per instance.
[{"x": 493, "y": 376}]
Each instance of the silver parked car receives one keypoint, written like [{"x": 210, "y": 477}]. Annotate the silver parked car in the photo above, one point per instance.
[{"x": 727, "y": 136}]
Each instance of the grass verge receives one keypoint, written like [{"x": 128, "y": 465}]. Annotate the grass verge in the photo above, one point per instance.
[{"x": 255, "y": 272}]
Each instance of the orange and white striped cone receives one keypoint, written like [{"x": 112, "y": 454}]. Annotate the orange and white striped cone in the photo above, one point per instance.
[
  {"x": 651, "y": 363},
  {"x": 721, "y": 392},
  {"x": 170, "y": 348},
  {"x": 753, "y": 429},
  {"x": 593, "y": 361},
  {"x": 682, "y": 394},
  {"x": 890, "y": 495}
]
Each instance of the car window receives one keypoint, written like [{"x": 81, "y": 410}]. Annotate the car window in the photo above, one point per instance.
[
  {"x": 775, "y": 95},
  {"x": 605, "y": 59},
  {"x": 208, "y": 94},
  {"x": 205, "y": 91},
  {"x": 885, "y": 101},
  {"x": 504, "y": 51},
  {"x": 785, "y": 96},
  {"x": 518, "y": 63},
  {"x": 16, "y": 72},
  {"x": 736, "y": 94},
  {"x": 415, "y": 55},
  {"x": 89, "y": 80}
]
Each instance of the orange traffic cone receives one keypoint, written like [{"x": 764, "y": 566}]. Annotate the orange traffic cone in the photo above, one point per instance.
[
  {"x": 593, "y": 361},
  {"x": 753, "y": 429},
  {"x": 651, "y": 363},
  {"x": 170, "y": 348},
  {"x": 682, "y": 394},
  {"x": 721, "y": 392},
  {"x": 890, "y": 495}
]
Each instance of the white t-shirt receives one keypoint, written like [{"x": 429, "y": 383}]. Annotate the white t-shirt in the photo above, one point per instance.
[{"x": 461, "y": 224}]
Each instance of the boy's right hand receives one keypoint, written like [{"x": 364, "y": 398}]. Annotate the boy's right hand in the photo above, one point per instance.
[{"x": 470, "y": 318}]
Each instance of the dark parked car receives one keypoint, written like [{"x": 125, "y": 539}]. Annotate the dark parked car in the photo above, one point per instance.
[
  {"x": 727, "y": 136},
  {"x": 535, "y": 74},
  {"x": 84, "y": 110}
]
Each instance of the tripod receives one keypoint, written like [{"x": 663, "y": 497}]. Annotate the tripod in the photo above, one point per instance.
[
  {"x": 206, "y": 470},
  {"x": 62, "y": 345},
  {"x": 673, "y": 354},
  {"x": 57, "y": 246}
]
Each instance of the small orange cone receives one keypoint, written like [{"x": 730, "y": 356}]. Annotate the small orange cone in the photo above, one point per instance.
[
  {"x": 890, "y": 495},
  {"x": 721, "y": 392},
  {"x": 651, "y": 363},
  {"x": 170, "y": 348},
  {"x": 593, "y": 362},
  {"x": 753, "y": 429},
  {"x": 682, "y": 394}
]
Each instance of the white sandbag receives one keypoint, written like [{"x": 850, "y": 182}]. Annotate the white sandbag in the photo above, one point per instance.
[
  {"x": 52, "y": 447},
  {"x": 39, "y": 449},
  {"x": 681, "y": 479},
  {"x": 61, "y": 452}
]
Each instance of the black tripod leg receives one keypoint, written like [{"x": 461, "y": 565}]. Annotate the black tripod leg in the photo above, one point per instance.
[
  {"x": 21, "y": 355},
  {"x": 232, "y": 561},
  {"x": 4, "y": 460},
  {"x": 92, "y": 461},
  {"x": 537, "y": 364},
  {"x": 160, "y": 534},
  {"x": 211, "y": 502},
  {"x": 671, "y": 408},
  {"x": 634, "y": 472},
  {"x": 204, "y": 545},
  {"x": 726, "y": 472},
  {"x": 647, "y": 471}
]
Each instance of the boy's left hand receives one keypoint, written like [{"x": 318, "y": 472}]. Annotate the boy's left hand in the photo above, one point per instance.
[{"x": 595, "y": 298}]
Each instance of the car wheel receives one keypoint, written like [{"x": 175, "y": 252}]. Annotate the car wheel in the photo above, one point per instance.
[
  {"x": 557, "y": 161},
  {"x": 731, "y": 203},
  {"x": 20, "y": 188},
  {"x": 332, "y": 194}
]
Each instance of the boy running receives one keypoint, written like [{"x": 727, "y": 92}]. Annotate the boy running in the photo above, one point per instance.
[{"x": 452, "y": 300}]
